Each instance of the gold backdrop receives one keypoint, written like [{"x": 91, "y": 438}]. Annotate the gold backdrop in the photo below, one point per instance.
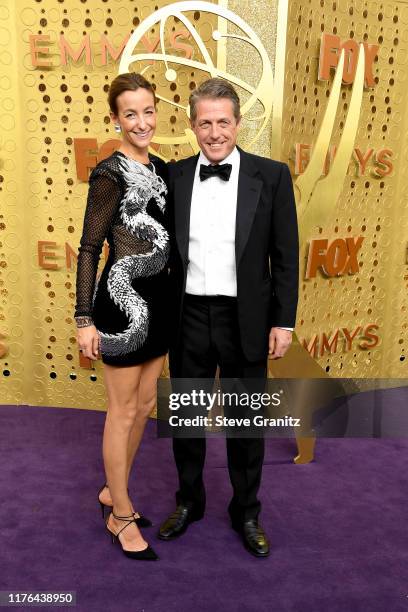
[
  {"x": 370, "y": 206},
  {"x": 47, "y": 110}
]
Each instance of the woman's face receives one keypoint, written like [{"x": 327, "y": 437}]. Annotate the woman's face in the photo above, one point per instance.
[{"x": 136, "y": 117}]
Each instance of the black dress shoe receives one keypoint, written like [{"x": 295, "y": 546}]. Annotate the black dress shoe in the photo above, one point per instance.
[
  {"x": 176, "y": 524},
  {"x": 253, "y": 537}
]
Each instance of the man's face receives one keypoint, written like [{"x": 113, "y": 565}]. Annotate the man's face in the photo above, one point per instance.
[{"x": 216, "y": 128}]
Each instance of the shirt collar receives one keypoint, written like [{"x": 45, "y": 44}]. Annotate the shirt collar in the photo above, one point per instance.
[{"x": 232, "y": 158}]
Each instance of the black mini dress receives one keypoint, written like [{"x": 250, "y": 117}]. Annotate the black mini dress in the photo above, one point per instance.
[{"x": 126, "y": 206}]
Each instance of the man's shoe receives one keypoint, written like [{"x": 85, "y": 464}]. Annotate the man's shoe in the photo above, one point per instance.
[
  {"x": 253, "y": 537},
  {"x": 176, "y": 524}
]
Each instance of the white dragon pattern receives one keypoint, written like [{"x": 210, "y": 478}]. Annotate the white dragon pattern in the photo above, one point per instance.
[{"x": 142, "y": 184}]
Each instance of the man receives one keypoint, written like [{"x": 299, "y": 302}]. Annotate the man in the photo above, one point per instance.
[{"x": 234, "y": 275}]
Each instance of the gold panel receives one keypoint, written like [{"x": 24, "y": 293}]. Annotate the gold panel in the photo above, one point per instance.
[
  {"x": 13, "y": 230},
  {"x": 241, "y": 60},
  {"x": 369, "y": 206},
  {"x": 43, "y": 110}
]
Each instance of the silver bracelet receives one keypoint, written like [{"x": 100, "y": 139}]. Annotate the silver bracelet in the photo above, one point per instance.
[{"x": 83, "y": 321}]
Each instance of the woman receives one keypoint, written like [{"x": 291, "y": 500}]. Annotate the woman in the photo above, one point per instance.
[{"x": 124, "y": 317}]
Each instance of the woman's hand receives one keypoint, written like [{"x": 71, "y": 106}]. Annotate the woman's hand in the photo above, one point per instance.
[{"x": 88, "y": 341}]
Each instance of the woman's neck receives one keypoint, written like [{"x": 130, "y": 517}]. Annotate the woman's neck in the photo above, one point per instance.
[{"x": 140, "y": 155}]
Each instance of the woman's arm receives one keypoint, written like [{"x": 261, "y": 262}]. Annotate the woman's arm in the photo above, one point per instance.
[{"x": 102, "y": 203}]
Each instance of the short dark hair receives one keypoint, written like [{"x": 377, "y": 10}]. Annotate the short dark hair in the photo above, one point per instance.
[
  {"x": 129, "y": 81},
  {"x": 213, "y": 89}
]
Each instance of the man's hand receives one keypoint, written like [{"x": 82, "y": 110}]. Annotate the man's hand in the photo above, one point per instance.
[{"x": 279, "y": 342}]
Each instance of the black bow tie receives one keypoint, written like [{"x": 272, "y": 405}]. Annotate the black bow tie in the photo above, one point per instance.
[{"x": 223, "y": 171}]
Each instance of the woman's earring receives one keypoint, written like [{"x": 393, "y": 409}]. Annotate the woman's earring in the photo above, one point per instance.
[{"x": 118, "y": 129}]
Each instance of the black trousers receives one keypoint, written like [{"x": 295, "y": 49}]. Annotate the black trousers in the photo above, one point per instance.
[{"x": 210, "y": 338}]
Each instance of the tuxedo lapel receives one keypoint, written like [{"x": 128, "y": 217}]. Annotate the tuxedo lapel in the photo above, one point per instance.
[
  {"x": 183, "y": 189},
  {"x": 249, "y": 191}
]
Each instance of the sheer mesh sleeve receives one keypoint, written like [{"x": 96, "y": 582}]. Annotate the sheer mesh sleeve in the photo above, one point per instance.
[{"x": 102, "y": 204}]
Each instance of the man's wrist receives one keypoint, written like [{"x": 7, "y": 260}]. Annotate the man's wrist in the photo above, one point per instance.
[{"x": 291, "y": 329}]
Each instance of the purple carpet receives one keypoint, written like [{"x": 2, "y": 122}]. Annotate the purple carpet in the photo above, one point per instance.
[{"x": 338, "y": 526}]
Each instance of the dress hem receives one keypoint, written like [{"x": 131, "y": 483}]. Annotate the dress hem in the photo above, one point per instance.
[{"x": 133, "y": 362}]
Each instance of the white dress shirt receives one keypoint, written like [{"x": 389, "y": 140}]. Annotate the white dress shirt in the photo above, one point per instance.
[{"x": 211, "y": 253}]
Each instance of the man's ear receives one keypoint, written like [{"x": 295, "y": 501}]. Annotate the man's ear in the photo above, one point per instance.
[{"x": 239, "y": 121}]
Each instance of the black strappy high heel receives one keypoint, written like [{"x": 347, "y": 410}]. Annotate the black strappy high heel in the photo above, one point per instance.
[
  {"x": 147, "y": 554},
  {"x": 141, "y": 521}
]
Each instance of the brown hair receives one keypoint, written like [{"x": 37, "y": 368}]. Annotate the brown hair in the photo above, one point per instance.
[
  {"x": 129, "y": 81},
  {"x": 214, "y": 88}
]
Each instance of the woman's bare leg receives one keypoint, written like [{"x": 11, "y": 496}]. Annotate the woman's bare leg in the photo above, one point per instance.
[
  {"x": 147, "y": 399},
  {"x": 147, "y": 396},
  {"x": 122, "y": 386}
]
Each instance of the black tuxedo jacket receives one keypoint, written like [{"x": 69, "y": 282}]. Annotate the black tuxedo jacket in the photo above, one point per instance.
[{"x": 266, "y": 248}]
